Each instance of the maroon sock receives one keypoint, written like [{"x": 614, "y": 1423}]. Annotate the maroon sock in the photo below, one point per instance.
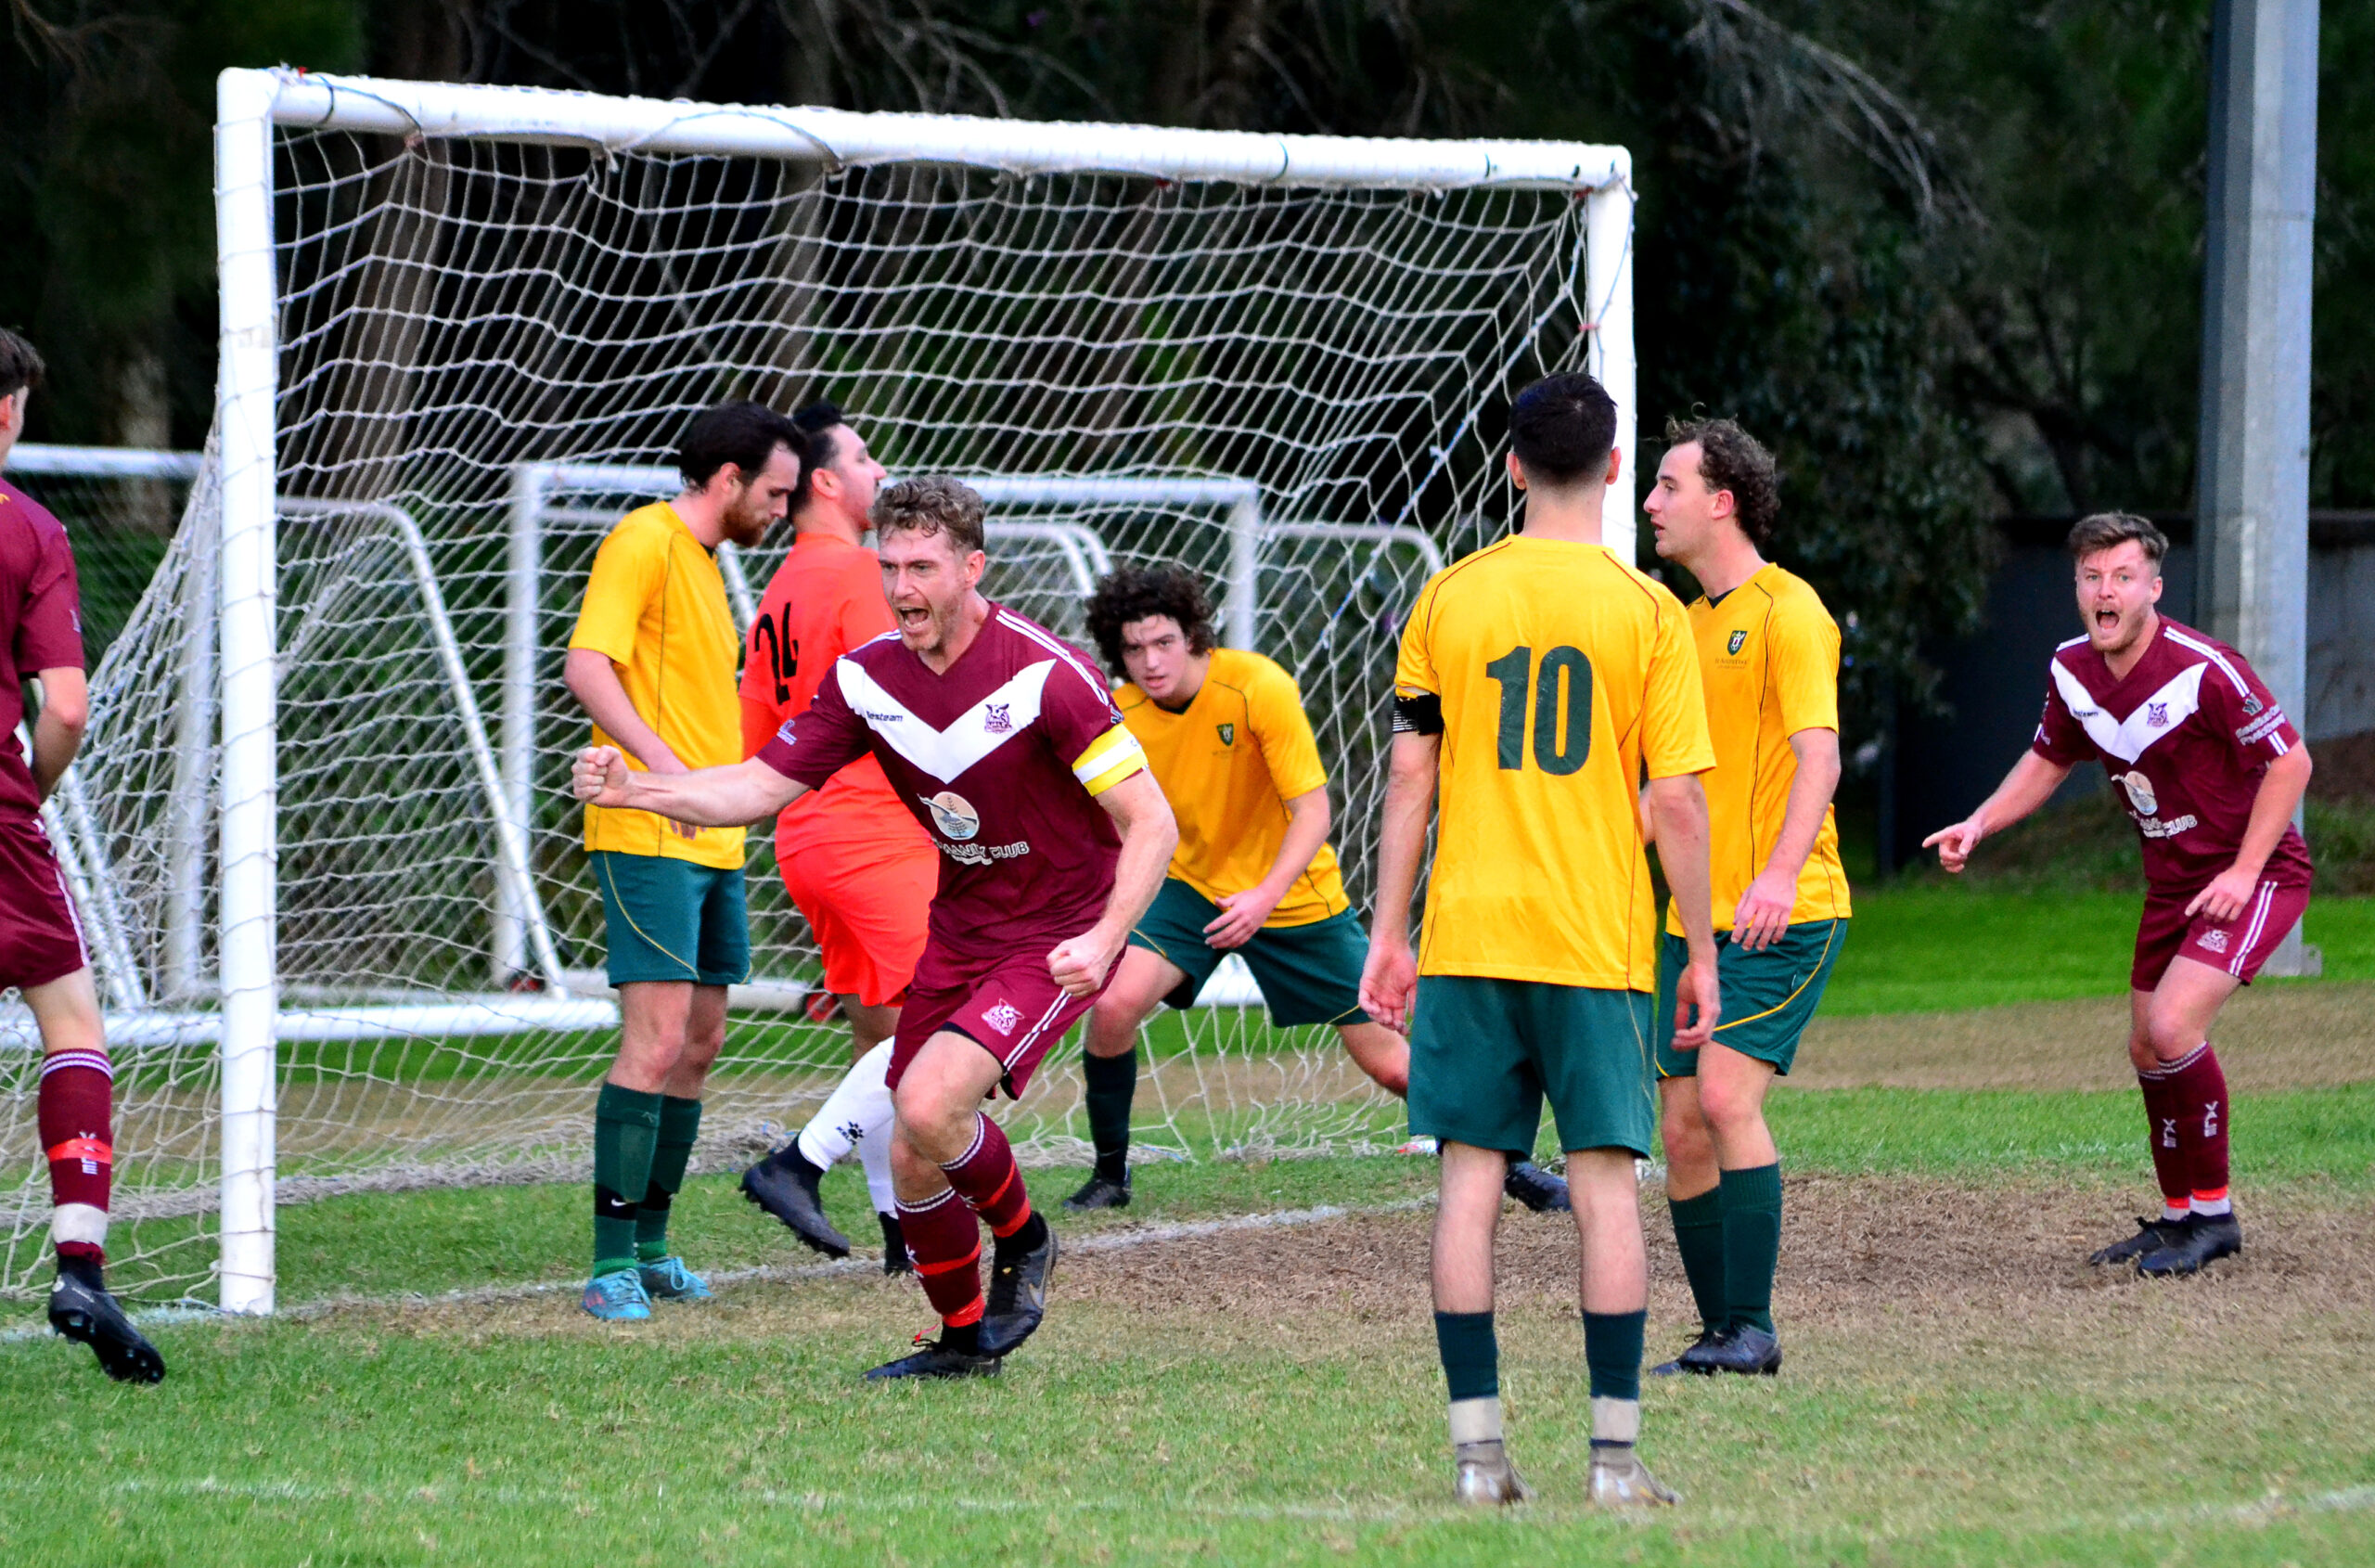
[
  {"x": 990, "y": 1179},
  {"x": 73, "y": 1114},
  {"x": 945, "y": 1246},
  {"x": 2161, "y": 1126},
  {"x": 2199, "y": 1088}
]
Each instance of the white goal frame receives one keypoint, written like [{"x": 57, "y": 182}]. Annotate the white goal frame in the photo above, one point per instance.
[{"x": 250, "y": 104}]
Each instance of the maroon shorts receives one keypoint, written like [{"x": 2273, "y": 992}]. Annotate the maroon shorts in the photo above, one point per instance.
[
  {"x": 1012, "y": 1008},
  {"x": 41, "y": 937},
  {"x": 2239, "y": 946}
]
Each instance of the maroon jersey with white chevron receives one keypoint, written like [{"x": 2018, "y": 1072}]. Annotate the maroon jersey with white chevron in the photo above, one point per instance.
[
  {"x": 2187, "y": 736},
  {"x": 985, "y": 757}
]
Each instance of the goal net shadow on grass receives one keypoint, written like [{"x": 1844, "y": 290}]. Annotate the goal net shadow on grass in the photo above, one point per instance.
[{"x": 457, "y": 311}]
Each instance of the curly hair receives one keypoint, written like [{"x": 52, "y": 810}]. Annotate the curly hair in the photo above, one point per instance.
[
  {"x": 1130, "y": 593},
  {"x": 931, "y": 505},
  {"x": 1730, "y": 458}
]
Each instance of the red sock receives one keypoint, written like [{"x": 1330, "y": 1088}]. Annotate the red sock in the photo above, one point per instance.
[
  {"x": 73, "y": 1114},
  {"x": 2160, "y": 1115},
  {"x": 990, "y": 1179},
  {"x": 2201, "y": 1091},
  {"x": 945, "y": 1246}
]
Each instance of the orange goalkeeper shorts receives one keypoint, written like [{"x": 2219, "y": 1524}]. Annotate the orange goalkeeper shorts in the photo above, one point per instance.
[{"x": 869, "y": 902}]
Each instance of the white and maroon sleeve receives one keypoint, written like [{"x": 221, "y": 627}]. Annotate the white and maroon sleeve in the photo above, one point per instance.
[
  {"x": 2059, "y": 738},
  {"x": 2240, "y": 702},
  {"x": 828, "y": 737}
]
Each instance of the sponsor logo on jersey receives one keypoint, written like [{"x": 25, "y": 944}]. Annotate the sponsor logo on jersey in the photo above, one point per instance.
[
  {"x": 2155, "y": 828},
  {"x": 2251, "y": 704},
  {"x": 995, "y": 718},
  {"x": 2215, "y": 941},
  {"x": 2139, "y": 793},
  {"x": 985, "y": 855},
  {"x": 2157, "y": 714},
  {"x": 954, "y": 815},
  {"x": 1740, "y": 640},
  {"x": 1003, "y": 1018},
  {"x": 1228, "y": 734}
]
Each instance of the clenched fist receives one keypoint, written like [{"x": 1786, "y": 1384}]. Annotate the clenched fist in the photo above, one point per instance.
[{"x": 599, "y": 777}]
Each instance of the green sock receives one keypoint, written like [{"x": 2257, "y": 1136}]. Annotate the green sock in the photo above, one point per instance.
[
  {"x": 680, "y": 1119},
  {"x": 1471, "y": 1355},
  {"x": 1612, "y": 1351},
  {"x": 1698, "y": 1232},
  {"x": 1751, "y": 1242},
  {"x": 1113, "y": 1083},
  {"x": 626, "y": 1125}
]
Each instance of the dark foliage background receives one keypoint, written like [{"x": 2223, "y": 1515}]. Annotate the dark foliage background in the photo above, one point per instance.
[{"x": 1944, "y": 254}]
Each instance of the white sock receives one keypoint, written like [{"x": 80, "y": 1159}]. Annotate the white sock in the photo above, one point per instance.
[
  {"x": 859, "y": 1104},
  {"x": 1615, "y": 1421},
  {"x": 1476, "y": 1420},
  {"x": 874, "y": 1154},
  {"x": 2212, "y": 1208},
  {"x": 2174, "y": 1208}
]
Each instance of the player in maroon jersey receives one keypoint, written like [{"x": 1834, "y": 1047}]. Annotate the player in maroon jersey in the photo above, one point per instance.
[
  {"x": 42, "y": 952},
  {"x": 1005, "y": 744},
  {"x": 2212, "y": 772}
]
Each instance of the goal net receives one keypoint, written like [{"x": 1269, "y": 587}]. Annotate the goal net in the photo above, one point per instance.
[{"x": 354, "y": 942}]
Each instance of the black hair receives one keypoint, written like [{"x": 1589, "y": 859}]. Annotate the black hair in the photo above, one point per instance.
[
  {"x": 1130, "y": 593},
  {"x": 1563, "y": 429},
  {"x": 745, "y": 434},
  {"x": 815, "y": 424},
  {"x": 1730, "y": 458},
  {"x": 21, "y": 365}
]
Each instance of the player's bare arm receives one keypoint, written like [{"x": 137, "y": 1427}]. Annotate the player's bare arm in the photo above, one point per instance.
[
  {"x": 1762, "y": 914},
  {"x": 1309, "y": 818},
  {"x": 2030, "y": 784},
  {"x": 594, "y": 681},
  {"x": 58, "y": 730},
  {"x": 2272, "y": 809},
  {"x": 1389, "y": 978},
  {"x": 1150, "y": 834},
  {"x": 734, "y": 796},
  {"x": 1679, "y": 805}
]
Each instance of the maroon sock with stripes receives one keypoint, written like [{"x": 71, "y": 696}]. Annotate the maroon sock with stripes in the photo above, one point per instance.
[
  {"x": 2161, "y": 1126},
  {"x": 990, "y": 1179},
  {"x": 73, "y": 1113},
  {"x": 2200, "y": 1087},
  {"x": 945, "y": 1246}
]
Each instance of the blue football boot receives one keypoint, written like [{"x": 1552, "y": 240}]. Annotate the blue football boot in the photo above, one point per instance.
[
  {"x": 669, "y": 1279},
  {"x": 618, "y": 1297}
]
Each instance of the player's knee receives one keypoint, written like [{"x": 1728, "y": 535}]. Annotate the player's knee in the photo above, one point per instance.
[
  {"x": 2169, "y": 1037},
  {"x": 931, "y": 1110},
  {"x": 1729, "y": 1107}
]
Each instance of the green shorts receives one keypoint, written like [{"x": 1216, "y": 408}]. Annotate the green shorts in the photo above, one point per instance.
[
  {"x": 1485, "y": 1053},
  {"x": 1767, "y": 996},
  {"x": 1308, "y": 974},
  {"x": 671, "y": 919}
]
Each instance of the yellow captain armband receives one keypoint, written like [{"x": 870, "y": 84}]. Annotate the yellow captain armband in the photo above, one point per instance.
[{"x": 1111, "y": 758}]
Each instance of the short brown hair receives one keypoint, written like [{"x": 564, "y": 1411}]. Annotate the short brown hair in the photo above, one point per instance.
[
  {"x": 932, "y": 505},
  {"x": 1730, "y": 458},
  {"x": 2105, "y": 531},
  {"x": 21, "y": 365}
]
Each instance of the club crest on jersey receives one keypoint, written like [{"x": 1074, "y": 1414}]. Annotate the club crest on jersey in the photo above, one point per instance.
[
  {"x": 2157, "y": 714},
  {"x": 1740, "y": 640},
  {"x": 2213, "y": 940},
  {"x": 954, "y": 815},
  {"x": 995, "y": 718},
  {"x": 2139, "y": 793},
  {"x": 1003, "y": 1018},
  {"x": 1228, "y": 734}
]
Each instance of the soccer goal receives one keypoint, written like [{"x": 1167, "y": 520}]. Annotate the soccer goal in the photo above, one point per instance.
[{"x": 462, "y": 329}]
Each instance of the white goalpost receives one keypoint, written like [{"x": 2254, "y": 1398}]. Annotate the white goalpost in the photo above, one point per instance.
[{"x": 349, "y": 943}]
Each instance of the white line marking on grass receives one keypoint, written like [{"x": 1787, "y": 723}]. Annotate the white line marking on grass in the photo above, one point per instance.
[{"x": 1116, "y": 1240}]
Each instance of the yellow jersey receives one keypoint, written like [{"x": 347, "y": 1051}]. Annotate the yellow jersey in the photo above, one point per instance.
[
  {"x": 1562, "y": 674},
  {"x": 1768, "y": 655},
  {"x": 1229, "y": 761},
  {"x": 655, "y": 607}
]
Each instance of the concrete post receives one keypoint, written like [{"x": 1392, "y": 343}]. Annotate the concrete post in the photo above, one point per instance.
[{"x": 2254, "y": 504}]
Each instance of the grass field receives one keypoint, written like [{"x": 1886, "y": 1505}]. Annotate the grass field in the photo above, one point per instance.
[{"x": 1241, "y": 1368}]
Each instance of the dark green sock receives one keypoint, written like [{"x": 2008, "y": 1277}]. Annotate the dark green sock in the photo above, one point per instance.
[
  {"x": 1471, "y": 1356},
  {"x": 1113, "y": 1083},
  {"x": 680, "y": 1119},
  {"x": 1698, "y": 1232},
  {"x": 1751, "y": 1242},
  {"x": 626, "y": 1126},
  {"x": 1612, "y": 1351}
]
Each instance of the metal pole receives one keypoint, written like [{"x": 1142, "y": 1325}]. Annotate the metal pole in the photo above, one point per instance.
[
  {"x": 189, "y": 812},
  {"x": 519, "y": 719},
  {"x": 1607, "y": 295},
  {"x": 245, "y": 410},
  {"x": 2254, "y": 504},
  {"x": 1244, "y": 609}
]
